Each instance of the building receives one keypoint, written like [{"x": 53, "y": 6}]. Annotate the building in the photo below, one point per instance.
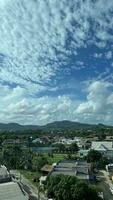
[
  {"x": 104, "y": 147},
  {"x": 46, "y": 169},
  {"x": 17, "y": 142},
  {"x": 81, "y": 169},
  {"x": 37, "y": 141},
  {"x": 10, "y": 190},
  {"x": 67, "y": 141},
  {"x": 80, "y": 142}
]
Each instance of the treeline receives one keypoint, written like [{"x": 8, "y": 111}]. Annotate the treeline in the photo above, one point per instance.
[{"x": 67, "y": 133}]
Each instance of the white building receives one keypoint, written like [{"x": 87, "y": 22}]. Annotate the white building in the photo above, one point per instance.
[
  {"x": 42, "y": 180},
  {"x": 104, "y": 147},
  {"x": 68, "y": 141}
]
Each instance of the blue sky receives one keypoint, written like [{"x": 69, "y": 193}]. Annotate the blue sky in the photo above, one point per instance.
[{"x": 56, "y": 61}]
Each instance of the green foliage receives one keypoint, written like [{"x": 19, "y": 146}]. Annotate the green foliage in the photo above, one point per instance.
[
  {"x": 69, "y": 188},
  {"x": 73, "y": 147},
  {"x": 12, "y": 156},
  {"x": 102, "y": 136},
  {"x": 39, "y": 162},
  {"x": 94, "y": 156},
  {"x": 60, "y": 147},
  {"x": 83, "y": 191},
  {"x": 102, "y": 163}
]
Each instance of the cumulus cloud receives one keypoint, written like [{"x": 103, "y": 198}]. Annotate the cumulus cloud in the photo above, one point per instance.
[
  {"x": 108, "y": 55},
  {"x": 37, "y": 37},
  {"x": 97, "y": 55},
  {"x": 39, "y": 43},
  {"x": 98, "y": 105},
  {"x": 16, "y": 107}
]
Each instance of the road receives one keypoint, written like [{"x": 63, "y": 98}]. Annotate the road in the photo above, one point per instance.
[{"x": 105, "y": 184}]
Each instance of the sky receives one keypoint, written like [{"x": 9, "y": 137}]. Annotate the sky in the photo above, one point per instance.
[{"x": 56, "y": 61}]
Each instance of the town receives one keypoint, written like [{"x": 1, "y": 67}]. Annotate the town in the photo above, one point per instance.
[
  {"x": 32, "y": 162},
  {"x": 56, "y": 99}
]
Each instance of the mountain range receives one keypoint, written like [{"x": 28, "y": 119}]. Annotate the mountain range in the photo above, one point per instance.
[{"x": 60, "y": 125}]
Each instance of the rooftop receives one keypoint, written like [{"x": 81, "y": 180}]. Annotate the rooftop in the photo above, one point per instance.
[
  {"x": 73, "y": 168},
  {"x": 47, "y": 168},
  {"x": 102, "y": 145}
]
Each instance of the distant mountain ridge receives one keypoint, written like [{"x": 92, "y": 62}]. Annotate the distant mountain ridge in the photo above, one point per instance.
[
  {"x": 50, "y": 126},
  {"x": 17, "y": 127}
]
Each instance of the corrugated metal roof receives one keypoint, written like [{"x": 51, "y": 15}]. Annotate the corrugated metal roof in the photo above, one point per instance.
[
  {"x": 11, "y": 191},
  {"x": 102, "y": 145}
]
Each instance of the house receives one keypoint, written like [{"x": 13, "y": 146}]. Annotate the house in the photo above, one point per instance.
[
  {"x": 104, "y": 147},
  {"x": 81, "y": 169},
  {"x": 37, "y": 140},
  {"x": 46, "y": 169},
  {"x": 67, "y": 141}
]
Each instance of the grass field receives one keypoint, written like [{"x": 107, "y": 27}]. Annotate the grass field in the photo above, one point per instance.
[
  {"x": 55, "y": 158},
  {"x": 30, "y": 175}
]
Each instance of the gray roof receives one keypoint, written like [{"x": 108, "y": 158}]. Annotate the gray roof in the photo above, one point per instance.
[
  {"x": 73, "y": 168},
  {"x": 102, "y": 145},
  {"x": 11, "y": 191}
]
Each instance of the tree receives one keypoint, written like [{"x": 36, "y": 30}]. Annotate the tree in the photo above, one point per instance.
[
  {"x": 83, "y": 191},
  {"x": 39, "y": 162},
  {"x": 12, "y": 156},
  {"x": 69, "y": 188},
  {"x": 61, "y": 147},
  {"x": 73, "y": 147},
  {"x": 102, "y": 136},
  {"x": 94, "y": 156}
]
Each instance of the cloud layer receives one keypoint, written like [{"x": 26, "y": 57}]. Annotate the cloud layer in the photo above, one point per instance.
[{"x": 43, "y": 44}]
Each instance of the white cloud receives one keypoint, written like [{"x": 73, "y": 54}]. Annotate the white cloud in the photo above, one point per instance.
[
  {"x": 98, "y": 105},
  {"x": 15, "y": 106},
  {"x": 37, "y": 38},
  {"x": 31, "y": 33},
  {"x": 98, "y": 55},
  {"x": 108, "y": 55}
]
